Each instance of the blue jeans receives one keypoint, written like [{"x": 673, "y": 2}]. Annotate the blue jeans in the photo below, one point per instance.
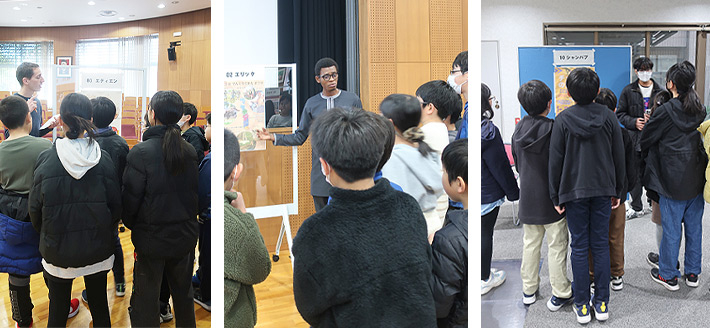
[
  {"x": 588, "y": 222},
  {"x": 673, "y": 214}
]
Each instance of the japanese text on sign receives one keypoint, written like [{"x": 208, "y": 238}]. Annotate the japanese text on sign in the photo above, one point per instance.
[
  {"x": 240, "y": 74},
  {"x": 573, "y": 57}
]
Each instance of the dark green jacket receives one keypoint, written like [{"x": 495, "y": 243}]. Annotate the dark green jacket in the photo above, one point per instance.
[{"x": 246, "y": 263}]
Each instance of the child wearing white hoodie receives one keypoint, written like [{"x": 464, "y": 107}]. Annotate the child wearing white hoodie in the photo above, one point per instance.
[
  {"x": 413, "y": 165},
  {"x": 75, "y": 205}
]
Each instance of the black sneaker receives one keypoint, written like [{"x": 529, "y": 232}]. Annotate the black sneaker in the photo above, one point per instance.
[
  {"x": 670, "y": 284},
  {"x": 652, "y": 259},
  {"x": 691, "y": 279}
]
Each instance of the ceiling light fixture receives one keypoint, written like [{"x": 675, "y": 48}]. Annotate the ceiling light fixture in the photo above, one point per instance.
[
  {"x": 23, "y": 20},
  {"x": 91, "y": 3},
  {"x": 108, "y": 13},
  {"x": 121, "y": 18},
  {"x": 16, "y": 8},
  {"x": 161, "y": 6}
]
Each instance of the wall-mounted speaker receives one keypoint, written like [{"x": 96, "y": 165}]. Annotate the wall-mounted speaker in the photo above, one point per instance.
[{"x": 171, "y": 54}]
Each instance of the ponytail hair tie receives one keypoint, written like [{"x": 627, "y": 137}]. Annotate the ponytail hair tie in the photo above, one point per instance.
[{"x": 413, "y": 134}]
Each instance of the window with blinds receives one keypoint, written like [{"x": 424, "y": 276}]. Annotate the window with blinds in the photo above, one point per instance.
[
  {"x": 127, "y": 52},
  {"x": 13, "y": 53}
]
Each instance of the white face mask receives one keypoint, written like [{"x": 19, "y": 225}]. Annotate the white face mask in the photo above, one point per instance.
[
  {"x": 327, "y": 178},
  {"x": 452, "y": 82},
  {"x": 644, "y": 76}
]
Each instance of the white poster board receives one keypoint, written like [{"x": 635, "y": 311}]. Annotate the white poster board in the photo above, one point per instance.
[{"x": 109, "y": 85}]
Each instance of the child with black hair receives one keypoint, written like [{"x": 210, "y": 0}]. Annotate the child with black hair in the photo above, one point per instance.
[
  {"x": 192, "y": 133},
  {"x": 368, "y": 221},
  {"x": 246, "y": 259},
  {"x": 497, "y": 183},
  {"x": 659, "y": 99},
  {"x": 588, "y": 187},
  {"x": 75, "y": 202},
  {"x": 531, "y": 151},
  {"x": 450, "y": 244},
  {"x": 413, "y": 165},
  {"x": 438, "y": 101},
  {"x": 160, "y": 206},
  {"x": 617, "y": 220},
  {"x": 19, "y": 245},
  {"x": 103, "y": 113},
  {"x": 675, "y": 166}
]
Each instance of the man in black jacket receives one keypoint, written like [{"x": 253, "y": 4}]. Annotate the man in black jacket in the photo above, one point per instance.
[
  {"x": 586, "y": 175},
  {"x": 635, "y": 100}
]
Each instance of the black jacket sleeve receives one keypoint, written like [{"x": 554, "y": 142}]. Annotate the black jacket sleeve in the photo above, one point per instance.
[
  {"x": 36, "y": 198},
  {"x": 622, "y": 111},
  {"x": 501, "y": 170},
  {"x": 196, "y": 143},
  {"x": 557, "y": 157},
  {"x": 449, "y": 272},
  {"x": 619, "y": 157},
  {"x": 631, "y": 166},
  {"x": 134, "y": 184}
]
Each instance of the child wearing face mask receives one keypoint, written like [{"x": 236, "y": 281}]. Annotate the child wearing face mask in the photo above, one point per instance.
[{"x": 634, "y": 100}]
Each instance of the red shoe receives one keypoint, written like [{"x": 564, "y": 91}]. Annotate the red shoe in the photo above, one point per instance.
[
  {"x": 17, "y": 324},
  {"x": 73, "y": 307}
]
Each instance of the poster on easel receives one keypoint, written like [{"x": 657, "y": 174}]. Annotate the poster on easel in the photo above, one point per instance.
[{"x": 244, "y": 96}]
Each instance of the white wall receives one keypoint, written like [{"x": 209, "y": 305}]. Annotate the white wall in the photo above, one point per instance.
[
  {"x": 250, "y": 32},
  {"x": 520, "y": 23}
]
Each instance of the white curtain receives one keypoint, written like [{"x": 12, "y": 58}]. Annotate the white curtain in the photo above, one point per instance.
[{"x": 128, "y": 52}]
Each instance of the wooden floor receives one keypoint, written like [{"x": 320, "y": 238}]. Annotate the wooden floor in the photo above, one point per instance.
[
  {"x": 274, "y": 297},
  {"x": 118, "y": 306}
]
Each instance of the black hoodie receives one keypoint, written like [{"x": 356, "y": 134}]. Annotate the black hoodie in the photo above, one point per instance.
[
  {"x": 196, "y": 137},
  {"x": 586, "y": 155},
  {"x": 673, "y": 151},
  {"x": 531, "y": 152}
]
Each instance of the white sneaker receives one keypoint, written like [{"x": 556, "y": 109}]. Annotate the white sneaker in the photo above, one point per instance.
[
  {"x": 617, "y": 283},
  {"x": 496, "y": 279}
]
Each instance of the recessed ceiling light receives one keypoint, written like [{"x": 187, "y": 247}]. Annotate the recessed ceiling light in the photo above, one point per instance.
[
  {"x": 91, "y": 3},
  {"x": 108, "y": 13},
  {"x": 16, "y": 8},
  {"x": 121, "y": 18},
  {"x": 23, "y": 20},
  {"x": 161, "y": 6}
]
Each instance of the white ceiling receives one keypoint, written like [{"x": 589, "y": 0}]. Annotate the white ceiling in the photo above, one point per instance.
[{"x": 44, "y": 13}]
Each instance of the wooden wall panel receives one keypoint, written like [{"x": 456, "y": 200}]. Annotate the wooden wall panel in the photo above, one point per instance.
[
  {"x": 410, "y": 76},
  {"x": 412, "y": 31},
  {"x": 382, "y": 83},
  {"x": 446, "y": 30},
  {"x": 405, "y": 43}
]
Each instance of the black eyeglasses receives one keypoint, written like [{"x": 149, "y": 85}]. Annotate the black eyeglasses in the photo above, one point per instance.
[
  {"x": 424, "y": 103},
  {"x": 329, "y": 77},
  {"x": 455, "y": 71}
]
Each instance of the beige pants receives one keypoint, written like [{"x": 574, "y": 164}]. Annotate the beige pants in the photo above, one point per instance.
[
  {"x": 433, "y": 221},
  {"x": 557, "y": 242}
]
